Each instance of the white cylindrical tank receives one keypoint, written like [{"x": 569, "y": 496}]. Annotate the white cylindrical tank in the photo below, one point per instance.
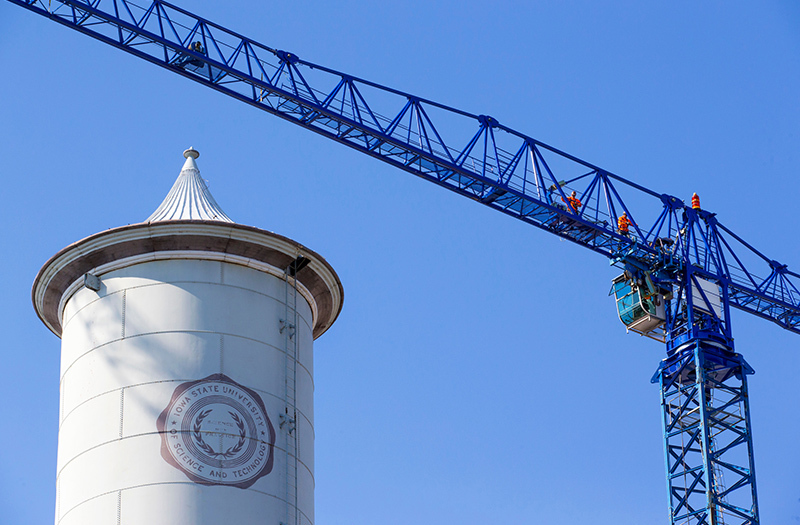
[{"x": 186, "y": 368}]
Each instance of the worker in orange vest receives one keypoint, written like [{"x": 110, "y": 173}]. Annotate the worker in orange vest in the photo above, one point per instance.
[
  {"x": 695, "y": 202},
  {"x": 574, "y": 202},
  {"x": 623, "y": 223}
]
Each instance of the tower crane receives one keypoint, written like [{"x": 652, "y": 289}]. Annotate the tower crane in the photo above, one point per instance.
[{"x": 681, "y": 269}]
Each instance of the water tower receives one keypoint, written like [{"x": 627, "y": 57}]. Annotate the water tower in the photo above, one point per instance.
[{"x": 186, "y": 392}]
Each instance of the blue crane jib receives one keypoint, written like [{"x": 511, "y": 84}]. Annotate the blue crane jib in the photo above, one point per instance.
[
  {"x": 682, "y": 268},
  {"x": 473, "y": 155}
]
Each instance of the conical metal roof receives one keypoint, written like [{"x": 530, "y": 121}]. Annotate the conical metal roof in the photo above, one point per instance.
[{"x": 189, "y": 198}]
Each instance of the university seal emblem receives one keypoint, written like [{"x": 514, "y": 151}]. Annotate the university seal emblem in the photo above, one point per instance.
[{"x": 217, "y": 432}]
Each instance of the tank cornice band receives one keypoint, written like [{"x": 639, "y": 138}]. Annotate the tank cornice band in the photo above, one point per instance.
[{"x": 242, "y": 243}]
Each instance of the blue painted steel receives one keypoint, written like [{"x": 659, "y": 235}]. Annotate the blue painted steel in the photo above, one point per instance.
[
  {"x": 701, "y": 267},
  {"x": 492, "y": 164},
  {"x": 708, "y": 445}
]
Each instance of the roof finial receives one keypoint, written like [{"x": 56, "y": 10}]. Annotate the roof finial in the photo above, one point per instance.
[{"x": 189, "y": 198}]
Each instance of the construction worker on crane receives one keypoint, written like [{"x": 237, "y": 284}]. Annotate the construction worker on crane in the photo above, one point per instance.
[
  {"x": 623, "y": 223},
  {"x": 574, "y": 202},
  {"x": 187, "y": 60}
]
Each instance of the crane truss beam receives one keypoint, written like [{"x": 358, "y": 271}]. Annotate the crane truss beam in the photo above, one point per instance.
[{"x": 492, "y": 164}]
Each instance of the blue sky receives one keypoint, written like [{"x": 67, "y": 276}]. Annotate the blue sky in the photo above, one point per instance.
[{"x": 478, "y": 371}]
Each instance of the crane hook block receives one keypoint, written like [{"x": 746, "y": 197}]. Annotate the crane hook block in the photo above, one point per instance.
[{"x": 285, "y": 56}]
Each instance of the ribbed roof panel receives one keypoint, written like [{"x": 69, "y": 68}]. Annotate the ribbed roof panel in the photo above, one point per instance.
[{"x": 189, "y": 198}]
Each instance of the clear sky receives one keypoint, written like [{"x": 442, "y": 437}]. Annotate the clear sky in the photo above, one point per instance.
[{"x": 478, "y": 372}]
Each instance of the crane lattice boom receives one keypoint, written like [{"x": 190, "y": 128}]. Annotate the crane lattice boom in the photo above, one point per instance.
[
  {"x": 474, "y": 155},
  {"x": 683, "y": 269}
]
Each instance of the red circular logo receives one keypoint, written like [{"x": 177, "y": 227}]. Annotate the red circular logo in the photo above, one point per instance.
[{"x": 217, "y": 432}]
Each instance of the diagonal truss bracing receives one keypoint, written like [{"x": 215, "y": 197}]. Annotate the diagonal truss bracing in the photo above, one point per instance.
[
  {"x": 473, "y": 155},
  {"x": 708, "y": 444}
]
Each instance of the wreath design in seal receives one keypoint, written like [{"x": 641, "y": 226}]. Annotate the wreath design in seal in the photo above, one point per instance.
[
  {"x": 197, "y": 433},
  {"x": 217, "y": 432}
]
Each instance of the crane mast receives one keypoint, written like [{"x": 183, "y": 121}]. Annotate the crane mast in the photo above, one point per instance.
[{"x": 682, "y": 269}]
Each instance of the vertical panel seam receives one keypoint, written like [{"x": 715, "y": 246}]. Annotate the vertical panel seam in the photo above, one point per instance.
[
  {"x": 121, "y": 409},
  {"x": 124, "y": 304}
]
